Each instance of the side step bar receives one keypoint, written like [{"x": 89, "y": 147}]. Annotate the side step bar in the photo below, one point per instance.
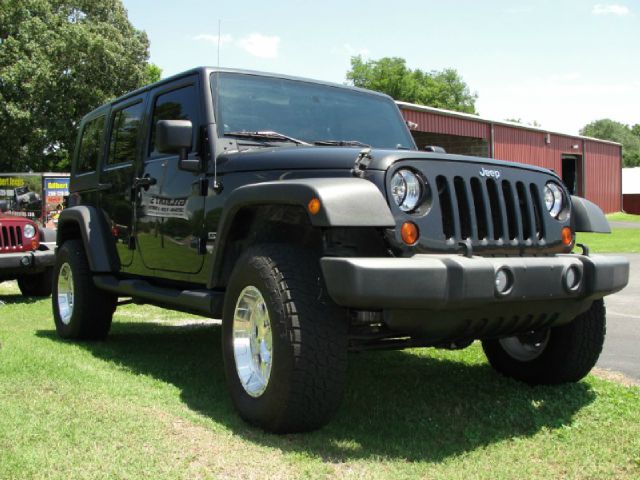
[{"x": 200, "y": 302}]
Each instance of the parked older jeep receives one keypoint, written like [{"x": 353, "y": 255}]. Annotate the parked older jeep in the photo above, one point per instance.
[
  {"x": 26, "y": 254},
  {"x": 302, "y": 213}
]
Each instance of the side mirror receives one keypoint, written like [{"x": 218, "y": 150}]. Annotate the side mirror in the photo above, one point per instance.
[
  {"x": 174, "y": 136},
  {"x": 4, "y": 206}
]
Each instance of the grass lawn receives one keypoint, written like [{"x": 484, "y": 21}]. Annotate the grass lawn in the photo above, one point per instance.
[
  {"x": 151, "y": 403},
  {"x": 624, "y": 217},
  {"x": 620, "y": 240}
]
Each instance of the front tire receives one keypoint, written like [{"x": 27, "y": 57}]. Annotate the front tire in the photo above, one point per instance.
[
  {"x": 284, "y": 341},
  {"x": 80, "y": 310},
  {"x": 562, "y": 354},
  {"x": 36, "y": 285}
]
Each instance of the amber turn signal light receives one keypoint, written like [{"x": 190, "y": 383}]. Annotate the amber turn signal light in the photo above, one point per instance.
[
  {"x": 567, "y": 236},
  {"x": 314, "y": 206},
  {"x": 409, "y": 233}
]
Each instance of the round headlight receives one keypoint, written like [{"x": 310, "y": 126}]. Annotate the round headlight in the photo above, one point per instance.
[
  {"x": 553, "y": 199},
  {"x": 28, "y": 231},
  {"x": 406, "y": 189}
]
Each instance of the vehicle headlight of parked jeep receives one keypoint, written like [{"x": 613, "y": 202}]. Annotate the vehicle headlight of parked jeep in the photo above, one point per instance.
[
  {"x": 28, "y": 231},
  {"x": 553, "y": 199},
  {"x": 407, "y": 189}
]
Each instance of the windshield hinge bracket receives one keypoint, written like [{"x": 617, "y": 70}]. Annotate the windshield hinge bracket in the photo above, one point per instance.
[{"x": 362, "y": 162}]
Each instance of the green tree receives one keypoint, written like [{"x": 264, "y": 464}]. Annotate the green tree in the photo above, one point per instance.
[
  {"x": 636, "y": 130},
  {"x": 59, "y": 59},
  {"x": 607, "y": 129},
  {"x": 390, "y": 75}
]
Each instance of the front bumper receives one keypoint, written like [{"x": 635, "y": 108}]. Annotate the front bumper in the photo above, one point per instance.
[
  {"x": 453, "y": 282},
  {"x": 25, "y": 263}
]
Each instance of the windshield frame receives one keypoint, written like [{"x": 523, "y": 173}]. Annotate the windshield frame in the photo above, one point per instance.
[{"x": 408, "y": 143}]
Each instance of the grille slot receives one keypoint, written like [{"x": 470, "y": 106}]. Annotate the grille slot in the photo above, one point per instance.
[
  {"x": 512, "y": 219},
  {"x": 496, "y": 211},
  {"x": 464, "y": 212},
  {"x": 10, "y": 237},
  {"x": 446, "y": 209},
  {"x": 537, "y": 209},
  {"x": 480, "y": 208},
  {"x": 525, "y": 213}
]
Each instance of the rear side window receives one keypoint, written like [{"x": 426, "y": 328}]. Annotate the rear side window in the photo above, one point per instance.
[
  {"x": 180, "y": 104},
  {"x": 90, "y": 144},
  {"x": 125, "y": 134}
]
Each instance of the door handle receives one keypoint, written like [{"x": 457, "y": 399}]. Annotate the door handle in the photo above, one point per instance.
[{"x": 144, "y": 182}]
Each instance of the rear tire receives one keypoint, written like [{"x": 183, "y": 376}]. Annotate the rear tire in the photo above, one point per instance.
[
  {"x": 566, "y": 354},
  {"x": 80, "y": 310},
  {"x": 36, "y": 285},
  {"x": 296, "y": 379}
]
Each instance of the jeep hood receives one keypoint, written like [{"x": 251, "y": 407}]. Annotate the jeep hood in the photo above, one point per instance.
[{"x": 337, "y": 158}]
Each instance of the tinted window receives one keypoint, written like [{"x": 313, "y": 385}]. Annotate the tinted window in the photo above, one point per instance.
[
  {"x": 125, "y": 133},
  {"x": 180, "y": 104},
  {"x": 308, "y": 111},
  {"x": 90, "y": 145}
]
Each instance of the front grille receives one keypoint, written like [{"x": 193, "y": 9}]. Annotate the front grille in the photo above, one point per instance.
[
  {"x": 10, "y": 238},
  {"x": 486, "y": 209}
]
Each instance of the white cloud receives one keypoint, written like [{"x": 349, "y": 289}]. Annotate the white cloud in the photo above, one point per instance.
[
  {"x": 259, "y": 45},
  {"x": 351, "y": 51},
  {"x": 610, "y": 9},
  {"x": 206, "y": 37}
]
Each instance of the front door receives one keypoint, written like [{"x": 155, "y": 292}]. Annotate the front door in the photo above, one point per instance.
[{"x": 169, "y": 204}]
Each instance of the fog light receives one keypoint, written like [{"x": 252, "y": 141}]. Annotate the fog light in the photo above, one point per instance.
[
  {"x": 572, "y": 278},
  {"x": 25, "y": 261},
  {"x": 504, "y": 281}
]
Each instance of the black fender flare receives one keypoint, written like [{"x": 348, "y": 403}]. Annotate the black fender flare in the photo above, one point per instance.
[
  {"x": 588, "y": 217},
  {"x": 95, "y": 234},
  {"x": 344, "y": 202}
]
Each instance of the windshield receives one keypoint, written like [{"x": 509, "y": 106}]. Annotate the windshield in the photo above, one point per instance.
[{"x": 306, "y": 111}]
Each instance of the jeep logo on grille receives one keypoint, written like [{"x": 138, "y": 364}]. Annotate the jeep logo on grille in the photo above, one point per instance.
[{"x": 490, "y": 173}]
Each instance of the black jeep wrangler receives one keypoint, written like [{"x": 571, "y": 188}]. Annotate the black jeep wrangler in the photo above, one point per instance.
[{"x": 303, "y": 215}]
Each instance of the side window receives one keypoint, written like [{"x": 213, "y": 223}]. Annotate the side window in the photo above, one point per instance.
[
  {"x": 90, "y": 145},
  {"x": 180, "y": 104},
  {"x": 123, "y": 145}
]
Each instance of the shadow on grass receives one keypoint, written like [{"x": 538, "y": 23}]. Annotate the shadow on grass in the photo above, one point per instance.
[
  {"x": 13, "y": 299},
  {"x": 396, "y": 405}
]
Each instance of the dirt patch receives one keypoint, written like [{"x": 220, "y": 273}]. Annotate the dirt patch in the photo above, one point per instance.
[
  {"x": 221, "y": 454},
  {"x": 616, "y": 377}
]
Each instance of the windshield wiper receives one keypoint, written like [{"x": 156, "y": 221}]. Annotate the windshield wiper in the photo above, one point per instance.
[
  {"x": 268, "y": 135},
  {"x": 341, "y": 143}
]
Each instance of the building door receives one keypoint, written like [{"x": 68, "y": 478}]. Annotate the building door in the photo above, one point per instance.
[
  {"x": 572, "y": 173},
  {"x": 169, "y": 210}
]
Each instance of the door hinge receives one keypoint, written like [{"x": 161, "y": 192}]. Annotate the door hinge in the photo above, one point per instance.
[
  {"x": 202, "y": 246},
  {"x": 204, "y": 187}
]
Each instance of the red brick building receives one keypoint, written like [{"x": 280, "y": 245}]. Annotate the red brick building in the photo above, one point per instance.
[{"x": 589, "y": 167}]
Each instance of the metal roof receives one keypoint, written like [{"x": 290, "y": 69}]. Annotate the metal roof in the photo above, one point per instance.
[{"x": 477, "y": 118}]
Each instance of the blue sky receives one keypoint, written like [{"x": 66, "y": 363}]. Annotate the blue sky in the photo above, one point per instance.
[{"x": 561, "y": 63}]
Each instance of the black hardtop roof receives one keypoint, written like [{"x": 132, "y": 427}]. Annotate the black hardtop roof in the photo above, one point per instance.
[{"x": 205, "y": 71}]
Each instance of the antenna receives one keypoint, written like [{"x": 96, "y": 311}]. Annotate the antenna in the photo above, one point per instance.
[{"x": 219, "y": 25}]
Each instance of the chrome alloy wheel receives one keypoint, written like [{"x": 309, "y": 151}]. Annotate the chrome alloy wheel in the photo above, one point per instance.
[
  {"x": 526, "y": 348},
  {"x": 65, "y": 293},
  {"x": 252, "y": 341}
]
